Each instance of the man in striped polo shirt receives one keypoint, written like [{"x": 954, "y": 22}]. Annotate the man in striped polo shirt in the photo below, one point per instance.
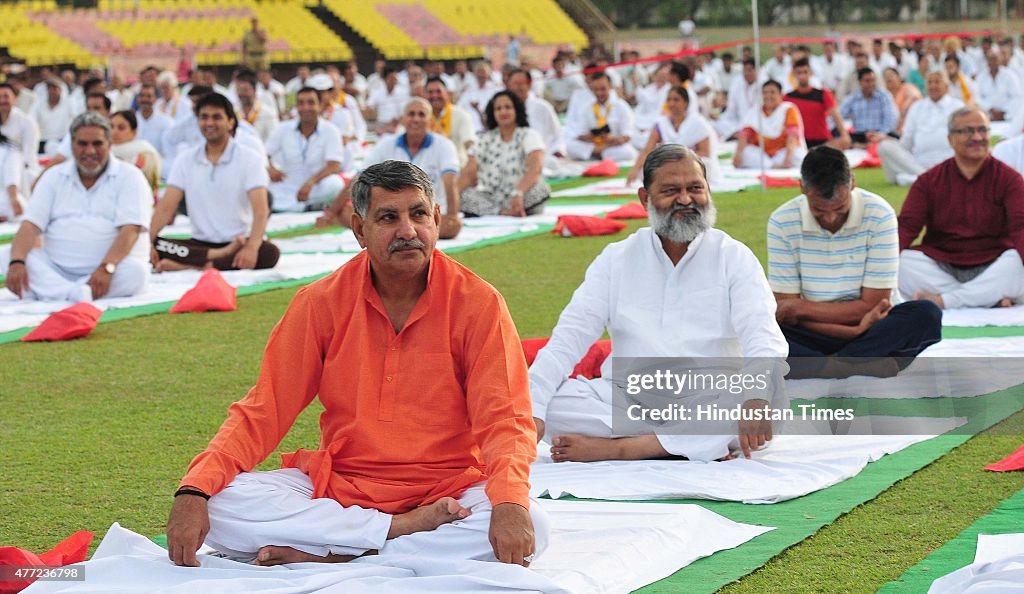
[{"x": 832, "y": 263}]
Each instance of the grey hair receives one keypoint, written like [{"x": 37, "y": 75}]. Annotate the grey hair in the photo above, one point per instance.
[
  {"x": 392, "y": 176},
  {"x": 963, "y": 111},
  {"x": 90, "y": 118},
  {"x": 670, "y": 153}
]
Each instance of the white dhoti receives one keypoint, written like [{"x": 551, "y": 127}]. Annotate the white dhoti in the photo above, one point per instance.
[
  {"x": 276, "y": 508},
  {"x": 586, "y": 407},
  {"x": 899, "y": 164},
  {"x": 285, "y": 193},
  {"x": 49, "y": 282},
  {"x": 584, "y": 151},
  {"x": 751, "y": 158},
  {"x": 1003, "y": 278}
]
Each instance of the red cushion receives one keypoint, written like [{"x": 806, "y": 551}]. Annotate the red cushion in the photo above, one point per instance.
[
  {"x": 211, "y": 293},
  {"x": 1014, "y": 461},
  {"x": 606, "y": 168},
  {"x": 71, "y": 550},
  {"x": 588, "y": 367},
  {"x": 72, "y": 322},
  {"x": 780, "y": 182},
  {"x": 577, "y": 225},
  {"x": 633, "y": 210}
]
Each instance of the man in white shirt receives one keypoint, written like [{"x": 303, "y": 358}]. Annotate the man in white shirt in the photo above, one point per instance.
[
  {"x": 725, "y": 72},
  {"x": 355, "y": 84},
  {"x": 743, "y": 96},
  {"x": 923, "y": 143},
  {"x": 539, "y": 113},
  {"x": 451, "y": 121},
  {"x": 182, "y": 134},
  {"x": 21, "y": 132},
  {"x": 477, "y": 93},
  {"x": 384, "y": 105},
  {"x": 270, "y": 91},
  {"x": 999, "y": 91},
  {"x": 433, "y": 153},
  {"x": 225, "y": 187},
  {"x": 53, "y": 115},
  {"x": 679, "y": 288},
  {"x": 250, "y": 109},
  {"x": 305, "y": 159},
  {"x": 171, "y": 102},
  {"x": 91, "y": 216},
  {"x": 561, "y": 85},
  {"x": 298, "y": 81},
  {"x": 603, "y": 129},
  {"x": 830, "y": 66},
  {"x": 778, "y": 66},
  {"x": 152, "y": 123},
  {"x": 650, "y": 104}
]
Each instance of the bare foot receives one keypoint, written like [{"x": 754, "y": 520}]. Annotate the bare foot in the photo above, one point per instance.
[
  {"x": 1004, "y": 302},
  {"x": 228, "y": 250},
  {"x": 274, "y": 555},
  {"x": 170, "y": 265},
  {"x": 934, "y": 298},
  {"x": 583, "y": 448},
  {"x": 427, "y": 517}
]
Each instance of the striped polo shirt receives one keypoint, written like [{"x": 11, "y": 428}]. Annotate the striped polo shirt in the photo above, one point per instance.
[{"x": 805, "y": 259}]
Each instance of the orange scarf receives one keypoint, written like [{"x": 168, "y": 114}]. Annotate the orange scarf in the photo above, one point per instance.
[
  {"x": 443, "y": 124},
  {"x": 964, "y": 91},
  {"x": 602, "y": 119},
  {"x": 251, "y": 118}
]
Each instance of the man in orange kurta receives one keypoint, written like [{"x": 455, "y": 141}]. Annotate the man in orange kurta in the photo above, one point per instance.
[{"x": 427, "y": 433}]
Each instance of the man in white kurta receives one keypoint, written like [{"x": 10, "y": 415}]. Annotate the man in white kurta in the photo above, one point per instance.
[
  {"x": 21, "y": 132},
  {"x": 305, "y": 157},
  {"x": 152, "y": 123},
  {"x": 677, "y": 289},
  {"x": 449, "y": 120},
  {"x": 999, "y": 91},
  {"x": 923, "y": 143},
  {"x": 744, "y": 95},
  {"x": 92, "y": 214},
  {"x": 251, "y": 109},
  {"x": 603, "y": 129}
]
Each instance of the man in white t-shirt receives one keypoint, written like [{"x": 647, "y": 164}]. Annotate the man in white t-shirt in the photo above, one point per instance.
[
  {"x": 91, "y": 216},
  {"x": 224, "y": 185},
  {"x": 305, "y": 158},
  {"x": 384, "y": 104},
  {"x": 539, "y": 113},
  {"x": 433, "y": 153},
  {"x": 21, "y": 131},
  {"x": 152, "y": 123}
]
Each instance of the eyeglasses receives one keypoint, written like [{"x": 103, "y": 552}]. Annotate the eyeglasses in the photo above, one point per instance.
[{"x": 983, "y": 130}]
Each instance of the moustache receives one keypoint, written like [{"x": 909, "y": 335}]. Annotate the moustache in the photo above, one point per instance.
[
  {"x": 401, "y": 244},
  {"x": 683, "y": 209}
]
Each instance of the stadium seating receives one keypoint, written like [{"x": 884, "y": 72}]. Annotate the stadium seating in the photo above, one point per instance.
[{"x": 40, "y": 32}]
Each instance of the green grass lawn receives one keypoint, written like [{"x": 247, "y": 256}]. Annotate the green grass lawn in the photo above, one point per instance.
[{"x": 101, "y": 430}]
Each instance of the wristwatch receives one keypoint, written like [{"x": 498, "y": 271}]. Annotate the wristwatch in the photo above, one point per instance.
[{"x": 110, "y": 267}]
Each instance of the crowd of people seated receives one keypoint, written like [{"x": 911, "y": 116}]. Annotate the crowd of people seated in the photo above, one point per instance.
[{"x": 486, "y": 136}]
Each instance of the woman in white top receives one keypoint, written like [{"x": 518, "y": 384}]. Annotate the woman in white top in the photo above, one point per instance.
[
  {"x": 126, "y": 146},
  {"x": 691, "y": 130},
  {"x": 11, "y": 204},
  {"x": 505, "y": 178}
]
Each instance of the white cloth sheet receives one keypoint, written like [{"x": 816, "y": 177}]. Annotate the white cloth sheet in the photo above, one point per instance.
[
  {"x": 474, "y": 230},
  {"x": 791, "y": 466},
  {"x": 984, "y": 316},
  {"x": 281, "y": 221},
  {"x": 595, "y": 548},
  {"x": 998, "y": 567},
  {"x": 957, "y": 368}
]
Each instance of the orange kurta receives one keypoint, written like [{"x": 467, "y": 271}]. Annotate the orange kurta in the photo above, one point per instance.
[{"x": 409, "y": 418}]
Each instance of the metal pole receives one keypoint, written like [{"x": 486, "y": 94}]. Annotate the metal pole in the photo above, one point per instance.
[{"x": 757, "y": 104}]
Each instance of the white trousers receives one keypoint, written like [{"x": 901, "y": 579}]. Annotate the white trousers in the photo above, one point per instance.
[
  {"x": 897, "y": 160},
  {"x": 49, "y": 282},
  {"x": 584, "y": 151},
  {"x": 276, "y": 508},
  {"x": 751, "y": 158},
  {"x": 285, "y": 193},
  {"x": 1004, "y": 278},
  {"x": 586, "y": 407}
]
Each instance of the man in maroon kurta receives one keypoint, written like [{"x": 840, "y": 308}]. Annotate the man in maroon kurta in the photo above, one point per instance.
[{"x": 973, "y": 208}]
